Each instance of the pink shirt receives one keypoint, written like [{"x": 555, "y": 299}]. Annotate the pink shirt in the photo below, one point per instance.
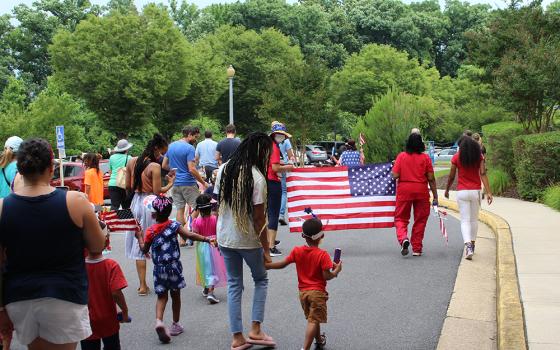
[{"x": 205, "y": 226}]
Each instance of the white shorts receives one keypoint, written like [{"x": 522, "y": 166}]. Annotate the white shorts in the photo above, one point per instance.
[{"x": 56, "y": 321}]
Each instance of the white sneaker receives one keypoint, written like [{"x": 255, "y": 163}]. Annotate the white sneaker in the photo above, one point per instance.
[{"x": 212, "y": 299}]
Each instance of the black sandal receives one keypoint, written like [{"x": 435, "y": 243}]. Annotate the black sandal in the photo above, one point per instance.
[{"x": 323, "y": 342}]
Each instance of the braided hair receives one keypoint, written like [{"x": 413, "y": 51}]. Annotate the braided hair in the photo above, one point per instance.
[
  {"x": 236, "y": 183},
  {"x": 147, "y": 157}
]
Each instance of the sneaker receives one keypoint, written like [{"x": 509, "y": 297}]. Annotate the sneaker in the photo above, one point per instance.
[
  {"x": 212, "y": 299},
  {"x": 277, "y": 242},
  {"x": 416, "y": 253},
  {"x": 275, "y": 252},
  {"x": 321, "y": 345},
  {"x": 162, "y": 333},
  {"x": 469, "y": 251},
  {"x": 473, "y": 246},
  {"x": 176, "y": 329},
  {"x": 404, "y": 247},
  {"x": 205, "y": 292},
  {"x": 282, "y": 222}
]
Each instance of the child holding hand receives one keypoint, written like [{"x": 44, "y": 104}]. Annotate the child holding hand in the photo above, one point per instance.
[
  {"x": 168, "y": 270},
  {"x": 314, "y": 268},
  {"x": 106, "y": 282}
]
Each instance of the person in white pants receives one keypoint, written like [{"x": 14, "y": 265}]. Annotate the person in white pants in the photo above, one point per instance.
[{"x": 470, "y": 164}]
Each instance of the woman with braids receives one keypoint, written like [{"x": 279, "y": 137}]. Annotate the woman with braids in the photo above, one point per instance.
[
  {"x": 44, "y": 284},
  {"x": 143, "y": 177},
  {"x": 469, "y": 161},
  {"x": 242, "y": 232}
]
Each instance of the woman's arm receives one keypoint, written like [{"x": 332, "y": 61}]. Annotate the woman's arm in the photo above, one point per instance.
[
  {"x": 6, "y": 326},
  {"x": 277, "y": 168},
  {"x": 259, "y": 224},
  {"x": 156, "y": 180},
  {"x": 452, "y": 174},
  {"x": 484, "y": 178},
  {"x": 83, "y": 216},
  {"x": 433, "y": 186},
  {"x": 87, "y": 190}
]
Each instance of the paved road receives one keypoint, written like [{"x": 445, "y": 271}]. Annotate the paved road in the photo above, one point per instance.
[{"x": 380, "y": 301}]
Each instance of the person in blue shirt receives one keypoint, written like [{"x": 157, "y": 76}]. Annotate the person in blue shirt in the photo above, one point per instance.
[
  {"x": 351, "y": 157},
  {"x": 181, "y": 157},
  {"x": 287, "y": 153},
  {"x": 8, "y": 167},
  {"x": 205, "y": 155}
]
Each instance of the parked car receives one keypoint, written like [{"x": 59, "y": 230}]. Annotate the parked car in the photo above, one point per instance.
[
  {"x": 74, "y": 176},
  {"x": 329, "y": 146},
  {"x": 445, "y": 155},
  {"x": 315, "y": 153}
]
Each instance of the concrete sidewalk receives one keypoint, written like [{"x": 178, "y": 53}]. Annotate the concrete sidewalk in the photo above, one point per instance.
[{"x": 535, "y": 228}]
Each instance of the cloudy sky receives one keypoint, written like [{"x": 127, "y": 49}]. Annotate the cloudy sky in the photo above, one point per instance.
[{"x": 7, "y": 5}]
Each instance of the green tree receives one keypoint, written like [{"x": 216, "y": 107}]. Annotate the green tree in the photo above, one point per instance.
[
  {"x": 387, "y": 125},
  {"x": 300, "y": 100},
  {"x": 372, "y": 72},
  {"x": 258, "y": 58},
  {"x": 521, "y": 52},
  {"x": 127, "y": 67},
  {"x": 29, "y": 40}
]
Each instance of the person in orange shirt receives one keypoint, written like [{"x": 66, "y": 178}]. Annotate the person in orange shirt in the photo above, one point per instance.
[{"x": 93, "y": 179}]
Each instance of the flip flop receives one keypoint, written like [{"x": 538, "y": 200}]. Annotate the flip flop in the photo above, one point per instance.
[
  {"x": 266, "y": 341},
  {"x": 143, "y": 294},
  {"x": 242, "y": 347}
]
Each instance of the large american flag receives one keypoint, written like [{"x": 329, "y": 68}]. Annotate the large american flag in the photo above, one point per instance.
[{"x": 343, "y": 198}]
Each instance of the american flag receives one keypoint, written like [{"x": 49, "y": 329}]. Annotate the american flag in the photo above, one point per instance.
[
  {"x": 120, "y": 220},
  {"x": 362, "y": 139},
  {"x": 442, "y": 215},
  {"x": 342, "y": 197}
]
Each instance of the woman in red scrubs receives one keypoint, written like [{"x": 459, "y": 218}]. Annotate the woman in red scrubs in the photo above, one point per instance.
[{"x": 413, "y": 171}]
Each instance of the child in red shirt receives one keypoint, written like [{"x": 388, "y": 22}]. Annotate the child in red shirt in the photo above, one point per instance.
[
  {"x": 313, "y": 267},
  {"x": 106, "y": 282}
]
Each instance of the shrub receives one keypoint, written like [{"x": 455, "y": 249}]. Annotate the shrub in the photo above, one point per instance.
[
  {"x": 498, "y": 139},
  {"x": 499, "y": 181},
  {"x": 551, "y": 197},
  {"x": 537, "y": 163}
]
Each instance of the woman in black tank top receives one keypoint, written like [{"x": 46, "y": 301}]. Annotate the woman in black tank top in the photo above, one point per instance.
[{"x": 48, "y": 277}]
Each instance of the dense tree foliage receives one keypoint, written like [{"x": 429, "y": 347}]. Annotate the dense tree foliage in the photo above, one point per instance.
[{"x": 321, "y": 66}]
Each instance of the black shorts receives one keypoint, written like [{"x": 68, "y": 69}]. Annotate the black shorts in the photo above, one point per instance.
[{"x": 274, "y": 203}]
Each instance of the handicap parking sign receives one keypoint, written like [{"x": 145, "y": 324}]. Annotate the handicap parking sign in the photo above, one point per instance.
[{"x": 60, "y": 137}]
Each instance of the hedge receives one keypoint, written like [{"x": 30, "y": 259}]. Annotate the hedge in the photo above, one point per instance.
[
  {"x": 499, "y": 181},
  {"x": 551, "y": 197},
  {"x": 537, "y": 163},
  {"x": 498, "y": 138}
]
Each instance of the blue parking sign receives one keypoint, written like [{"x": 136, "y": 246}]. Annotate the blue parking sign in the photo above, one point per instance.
[{"x": 60, "y": 136}]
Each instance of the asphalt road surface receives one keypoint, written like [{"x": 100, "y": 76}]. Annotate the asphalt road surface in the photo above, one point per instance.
[{"x": 380, "y": 300}]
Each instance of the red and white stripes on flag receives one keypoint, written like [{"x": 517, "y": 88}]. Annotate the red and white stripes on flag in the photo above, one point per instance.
[
  {"x": 362, "y": 139},
  {"x": 442, "y": 215},
  {"x": 340, "y": 200}
]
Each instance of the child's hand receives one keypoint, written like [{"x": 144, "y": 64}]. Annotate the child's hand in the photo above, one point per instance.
[
  {"x": 123, "y": 317},
  {"x": 337, "y": 268},
  {"x": 213, "y": 242},
  {"x": 267, "y": 264}
]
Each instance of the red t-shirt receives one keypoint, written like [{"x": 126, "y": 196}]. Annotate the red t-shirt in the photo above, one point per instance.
[
  {"x": 205, "y": 226},
  {"x": 310, "y": 264},
  {"x": 274, "y": 159},
  {"x": 104, "y": 276},
  {"x": 412, "y": 169},
  {"x": 469, "y": 178}
]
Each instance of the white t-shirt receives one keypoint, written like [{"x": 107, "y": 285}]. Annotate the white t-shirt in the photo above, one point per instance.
[{"x": 228, "y": 234}]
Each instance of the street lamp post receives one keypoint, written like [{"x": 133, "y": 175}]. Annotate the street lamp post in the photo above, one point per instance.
[{"x": 230, "y": 75}]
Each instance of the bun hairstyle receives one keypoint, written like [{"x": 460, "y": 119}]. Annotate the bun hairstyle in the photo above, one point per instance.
[{"x": 34, "y": 157}]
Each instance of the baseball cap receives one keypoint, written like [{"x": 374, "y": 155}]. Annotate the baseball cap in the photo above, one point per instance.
[{"x": 13, "y": 142}]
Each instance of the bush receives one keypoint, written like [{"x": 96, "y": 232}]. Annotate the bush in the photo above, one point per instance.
[
  {"x": 499, "y": 181},
  {"x": 551, "y": 197},
  {"x": 537, "y": 163},
  {"x": 498, "y": 139}
]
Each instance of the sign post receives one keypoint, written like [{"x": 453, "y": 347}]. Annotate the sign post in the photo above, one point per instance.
[{"x": 61, "y": 150}]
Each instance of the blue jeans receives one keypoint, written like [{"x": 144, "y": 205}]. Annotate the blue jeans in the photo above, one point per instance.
[
  {"x": 233, "y": 259},
  {"x": 284, "y": 197}
]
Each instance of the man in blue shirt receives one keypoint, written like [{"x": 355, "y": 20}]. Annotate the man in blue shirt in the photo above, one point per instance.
[
  {"x": 287, "y": 156},
  {"x": 205, "y": 155},
  {"x": 181, "y": 156}
]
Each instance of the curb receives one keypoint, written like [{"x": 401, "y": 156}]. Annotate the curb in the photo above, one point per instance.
[{"x": 510, "y": 318}]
